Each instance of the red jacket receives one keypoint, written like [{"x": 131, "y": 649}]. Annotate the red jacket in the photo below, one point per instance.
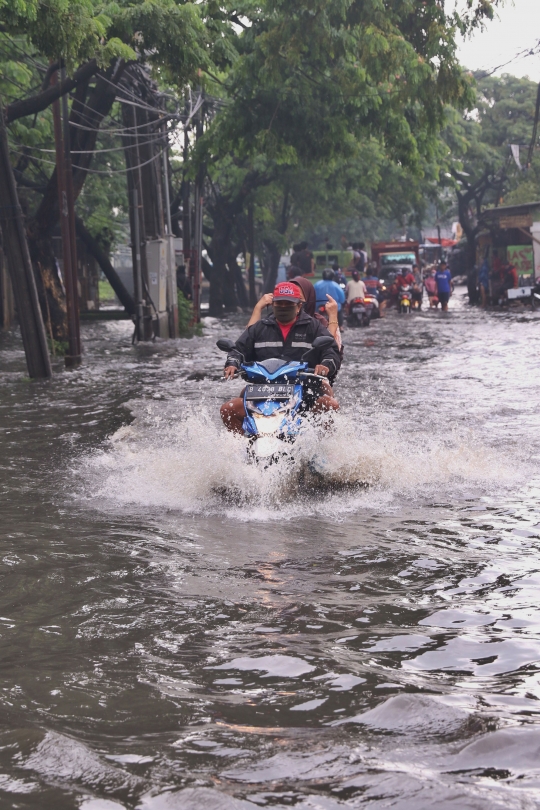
[{"x": 405, "y": 281}]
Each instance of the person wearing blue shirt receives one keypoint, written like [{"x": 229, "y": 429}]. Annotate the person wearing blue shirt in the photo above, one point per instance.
[
  {"x": 329, "y": 287},
  {"x": 443, "y": 277}
]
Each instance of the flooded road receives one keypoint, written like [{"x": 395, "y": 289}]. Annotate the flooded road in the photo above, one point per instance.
[{"x": 179, "y": 629}]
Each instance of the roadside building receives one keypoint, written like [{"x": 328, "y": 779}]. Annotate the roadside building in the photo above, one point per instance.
[{"x": 511, "y": 234}]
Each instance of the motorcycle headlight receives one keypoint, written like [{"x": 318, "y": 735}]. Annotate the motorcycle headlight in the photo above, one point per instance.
[{"x": 268, "y": 425}]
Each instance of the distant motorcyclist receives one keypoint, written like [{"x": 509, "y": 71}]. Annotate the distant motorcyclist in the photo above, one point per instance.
[
  {"x": 374, "y": 287},
  {"x": 404, "y": 278},
  {"x": 329, "y": 287},
  {"x": 359, "y": 257},
  {"x": 356, "y": 287},
  {"x": 288, "y": 333},
  {"x": 339, "y": 278},
  {"x": 417, "y": 285}
]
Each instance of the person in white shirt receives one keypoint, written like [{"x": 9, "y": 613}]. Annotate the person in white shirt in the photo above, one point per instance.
[{"x": 355, "y": 287}]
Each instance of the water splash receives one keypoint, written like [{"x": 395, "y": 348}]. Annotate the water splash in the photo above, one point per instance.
[{"x": 192, "y": 464}]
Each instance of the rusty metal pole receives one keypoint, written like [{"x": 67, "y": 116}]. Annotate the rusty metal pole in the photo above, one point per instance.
[
  {"x": 63, "y": 210},
  {"x": 198, "y": 226},
  {"x": 74, "y": 328},
  {"x": 137, "y": 274}
]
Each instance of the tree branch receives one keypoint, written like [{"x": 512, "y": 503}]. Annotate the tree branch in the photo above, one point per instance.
[
  {"x": 39, "y": 102},
  {"x": 103, "y": 260}
]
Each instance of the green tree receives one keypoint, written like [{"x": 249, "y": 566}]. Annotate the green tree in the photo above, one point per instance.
[
  {"x": 316, "y": 82},
  {"x": 479, "y": 163},
  {"x": 97, "y": 44}
]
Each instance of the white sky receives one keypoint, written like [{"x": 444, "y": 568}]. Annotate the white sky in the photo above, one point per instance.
[{"x": 515, "y": 28}]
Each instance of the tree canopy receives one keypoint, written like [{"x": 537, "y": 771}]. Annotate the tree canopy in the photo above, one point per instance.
[{"x": 313, "y": 109}]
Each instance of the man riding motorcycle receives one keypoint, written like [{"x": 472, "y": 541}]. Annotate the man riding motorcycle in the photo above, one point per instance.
[
  {"x": 355, "y": 288},
  {"x": 288, "y": 333},
  {"x": 404, "y": 279}
]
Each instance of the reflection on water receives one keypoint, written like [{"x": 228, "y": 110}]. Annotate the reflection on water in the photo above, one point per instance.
[{"x": 180, "y": 629}]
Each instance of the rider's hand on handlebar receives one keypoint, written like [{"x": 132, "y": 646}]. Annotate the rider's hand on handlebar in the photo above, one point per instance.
[
  {"x": 230, "y": 372},
  {"x": 322, "y": 370}
]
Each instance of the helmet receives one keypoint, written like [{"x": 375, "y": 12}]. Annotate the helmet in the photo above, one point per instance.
[{"x": 328, "y": 275}]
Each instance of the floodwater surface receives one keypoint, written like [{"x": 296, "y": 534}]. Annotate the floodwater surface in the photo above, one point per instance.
[{"x": 182, "y": 630}]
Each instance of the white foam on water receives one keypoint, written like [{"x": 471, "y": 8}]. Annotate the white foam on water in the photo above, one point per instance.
[
  {"x": 193, "y": 464},
  {"x": 410, "y": 712},
  {"x": 283, "y": 666}
]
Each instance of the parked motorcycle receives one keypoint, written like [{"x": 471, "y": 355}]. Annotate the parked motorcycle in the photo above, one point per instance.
[
  {"x": 359, "y": 313},
  {"x": 277, "y": 395}
]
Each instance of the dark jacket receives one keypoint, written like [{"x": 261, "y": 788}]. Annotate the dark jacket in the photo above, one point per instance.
[{"x": 264, "y": 340}]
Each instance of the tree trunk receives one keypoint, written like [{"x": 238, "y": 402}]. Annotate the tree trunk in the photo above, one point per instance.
[
  {"x": 51, "y": 292},
  {"x": 103, "y": 260},
  {"x": 20, "y": 267},
  {"x": 469, "y": 229},
  {"x": 7, "y": 307},
  {"x": 272, "y": 255},
  {"x": 225, "y": 213},
  {"x": 91, "y": 112},
  {"x": 222, "y": 294},
  {"x": 236, "y": 272}
]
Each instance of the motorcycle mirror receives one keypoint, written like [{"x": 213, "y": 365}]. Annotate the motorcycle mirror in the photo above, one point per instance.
[
  {"x": 323, "y": 342},
  {"x": 320, "y": 343},
  {"x": 225, "y": 344}
]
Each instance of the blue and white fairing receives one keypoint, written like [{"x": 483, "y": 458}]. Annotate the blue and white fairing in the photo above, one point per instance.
[{"x": 269, "y": 422}]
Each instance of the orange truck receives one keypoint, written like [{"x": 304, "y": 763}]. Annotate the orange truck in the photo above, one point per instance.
[{"x": 391, "y": 257}]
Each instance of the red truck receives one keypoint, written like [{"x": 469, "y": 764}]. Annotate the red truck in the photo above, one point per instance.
[{"x": 391, "y": 257}]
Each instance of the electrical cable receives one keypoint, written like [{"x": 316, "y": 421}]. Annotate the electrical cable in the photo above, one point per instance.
[
  {"x": 519, "y": 55},
  {"x": 96, "y": 171},
  {"x": 91, "y": 119},
  {"x": 90, "y": 151},
  {"x": 119, "y": 130}
]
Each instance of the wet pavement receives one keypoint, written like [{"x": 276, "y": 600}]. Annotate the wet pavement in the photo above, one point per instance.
[{"x": 179, "y": 629}]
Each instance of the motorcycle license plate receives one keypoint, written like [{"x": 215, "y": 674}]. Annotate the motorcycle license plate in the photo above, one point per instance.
[
  {"x": 358, "y": 310},
  {"x": 269, "y": 391}
]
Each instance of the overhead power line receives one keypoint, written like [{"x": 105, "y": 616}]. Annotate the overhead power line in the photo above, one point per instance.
[{"x": 97, "y": 171}]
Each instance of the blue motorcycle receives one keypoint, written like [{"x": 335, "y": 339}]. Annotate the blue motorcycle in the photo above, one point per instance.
[{"x": 277, "y": 395}]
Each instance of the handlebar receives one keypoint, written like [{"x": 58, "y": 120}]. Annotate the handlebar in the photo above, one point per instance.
[
  {"x": 300, "y": 375},
  {"x": 312, "y": 374}
]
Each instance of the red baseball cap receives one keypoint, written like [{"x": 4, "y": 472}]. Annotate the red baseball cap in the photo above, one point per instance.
[{"x": 287, "y": 291}]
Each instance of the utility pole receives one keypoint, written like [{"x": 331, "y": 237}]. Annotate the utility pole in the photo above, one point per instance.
[
  {"x": 198, "y": 229},
  {"x": 137, "y": 271},
  {"x": 130, "y": 140},
  {"x": 171, "y": 283},
  {"x": 73, "y": 359},
  {"x": 20, "y": 267},
  {"x": 186, "y": 211},
  {"x": 67, "y": 227}
]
